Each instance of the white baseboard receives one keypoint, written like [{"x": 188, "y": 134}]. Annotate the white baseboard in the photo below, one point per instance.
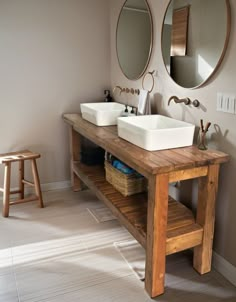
[{"x": 224, "y": 268}]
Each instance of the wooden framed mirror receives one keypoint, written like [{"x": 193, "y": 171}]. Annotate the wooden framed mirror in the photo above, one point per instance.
[
  {"x": 207, "y": 36},
  {"x": 134, "y": 38}
]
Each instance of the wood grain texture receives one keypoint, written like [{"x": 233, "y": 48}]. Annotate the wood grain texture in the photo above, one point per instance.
[
  {"x": 145, "y": 162},
  {"x": 132, "y": 210},
  {"x": 161, "y": 225},
  {"x": 187, "y": 174},
  {"x": 37, "y": 183},
  {"x": 20, "y": 157},
  {"x": 25, "y": 200},
  {"x": 6, "y": 189},
  {"x": 75, "y": 149},
  {"x": 21, "y": 179},
  {"x": 179, "y": 33},
  {"x": 184, "y": 238},
  {"x": 156, "y": 235},
  {"x": 17, "y": 156},
  {"x": 206, "y": 218}
]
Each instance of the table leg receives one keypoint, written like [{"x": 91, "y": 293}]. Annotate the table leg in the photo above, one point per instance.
[
  {"x": 156, "y": 234},
  {"x": 207, "y": 190},
  {"x": 75, "y": 148}
]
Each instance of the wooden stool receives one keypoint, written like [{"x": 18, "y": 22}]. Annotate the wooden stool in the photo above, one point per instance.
[{"x": 20, "y": 157}]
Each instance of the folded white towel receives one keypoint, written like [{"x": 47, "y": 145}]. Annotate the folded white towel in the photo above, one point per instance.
[{"x": 144, "y": 103}]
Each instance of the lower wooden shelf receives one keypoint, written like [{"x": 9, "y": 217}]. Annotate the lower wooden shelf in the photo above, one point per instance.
[{"x": 182, "y": 230}]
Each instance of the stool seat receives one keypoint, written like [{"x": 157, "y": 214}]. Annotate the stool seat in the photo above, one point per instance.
[
  {"x": 16, "y": 156},
  {"x": 7, "y": 159}
]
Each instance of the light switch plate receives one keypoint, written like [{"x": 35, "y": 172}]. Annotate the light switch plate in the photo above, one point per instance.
[
  {"x": 219, "y": 101},
  {"x": 231, "y": 108},
  {"x": 226, "y": 103}
]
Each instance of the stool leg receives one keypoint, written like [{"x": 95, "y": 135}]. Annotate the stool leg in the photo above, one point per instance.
[
  {"x": 21, "y": 178},
  {"x": 6, "y": 192},
  {"x": 37, "y": 182}
]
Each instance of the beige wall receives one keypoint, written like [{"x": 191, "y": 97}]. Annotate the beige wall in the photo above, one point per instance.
[
  {"x": 224, "y": 138},
  {"x": 54, "y": 54}
]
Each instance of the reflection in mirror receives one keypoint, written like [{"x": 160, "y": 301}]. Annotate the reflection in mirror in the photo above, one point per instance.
[
  {"x": 134, "y": 38},
  {"x": 206, "y": 37}
]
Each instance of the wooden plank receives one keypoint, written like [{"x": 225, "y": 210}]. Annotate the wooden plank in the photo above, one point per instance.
[
  {"x": 6, "y": 189},
  {"x": 156, "y": 235},
  {"x": 200, "y": 157},
  {"x": 75, "y": 149},
  {"x": 17, "y": 156},
  {"x": 110, "y": 202},
  {"x": 14, "y": 191},
  {"x": 177, "y": 160},
  {"x": 183, "y": 238},
  {"x": 120, "y": 148},
  {"x": 21, "y": 178},
  {"x": 134, "y": 208},
  {"x": 27, "y": 199},
  {"x": 37, "y": 183},
  {"x": 187, "y": 174},
  {"x": 206, "y": 217},
  {"x": 143, "y": 161},
  {"x": 26, "y": 182}
]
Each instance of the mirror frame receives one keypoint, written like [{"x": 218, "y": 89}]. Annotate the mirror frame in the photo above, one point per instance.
[
  {"x": 228, "y": 30},
  {"x": 151, "y": 43}
]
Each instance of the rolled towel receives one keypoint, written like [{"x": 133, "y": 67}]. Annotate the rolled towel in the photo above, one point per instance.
[
  {"x": 144, "y": 104},
  {"x": 119, "y": 165}
]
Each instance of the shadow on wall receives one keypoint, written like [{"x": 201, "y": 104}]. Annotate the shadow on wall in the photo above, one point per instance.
[{"x": 219, "y": 139}]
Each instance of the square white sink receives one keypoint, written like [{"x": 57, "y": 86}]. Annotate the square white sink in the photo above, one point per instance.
[
  {"x": 155, "y": 132},
  {"x": 102, "y": 114}
]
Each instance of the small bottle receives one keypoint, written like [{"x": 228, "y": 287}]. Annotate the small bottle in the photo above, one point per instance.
[
  {"x": 132, "y": 112},
  {"x": 126, "y": 112},
  {"x": 108, "y": 97}
]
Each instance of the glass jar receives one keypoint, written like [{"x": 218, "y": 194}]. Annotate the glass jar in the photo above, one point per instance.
[{"x": 202, "y": 140}]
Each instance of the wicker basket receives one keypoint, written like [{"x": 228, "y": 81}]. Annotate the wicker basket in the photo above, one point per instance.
[{"x": 126, "y": 184}]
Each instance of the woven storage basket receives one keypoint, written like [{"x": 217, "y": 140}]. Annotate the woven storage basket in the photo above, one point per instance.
[{"x": 126, "y": 184}]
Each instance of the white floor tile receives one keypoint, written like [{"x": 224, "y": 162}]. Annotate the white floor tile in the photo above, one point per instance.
[
  {"x": 8, "y": 291},
  {"x": 43, "y": 280},
  {"x": 119, "y": 290},
  {"x": 60, "y": 254}
]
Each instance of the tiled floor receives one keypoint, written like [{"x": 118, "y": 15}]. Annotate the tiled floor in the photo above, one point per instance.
[{"x": 60, "y": 253}]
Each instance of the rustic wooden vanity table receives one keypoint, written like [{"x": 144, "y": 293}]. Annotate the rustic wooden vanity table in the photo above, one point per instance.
[{"x": 160, "y": 224}]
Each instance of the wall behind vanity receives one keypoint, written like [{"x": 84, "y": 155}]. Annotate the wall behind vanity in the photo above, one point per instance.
[
  {"x": 53, "y": 55},
  {"x": 224, "y": 138}
]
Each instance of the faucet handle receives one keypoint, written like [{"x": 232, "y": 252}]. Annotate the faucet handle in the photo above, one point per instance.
[{"x": 196, "y": 103}]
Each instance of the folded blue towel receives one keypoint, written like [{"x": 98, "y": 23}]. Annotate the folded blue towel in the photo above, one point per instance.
[
  {"x": 122, "y": 167},
  {"x": 119, "y": 165}
]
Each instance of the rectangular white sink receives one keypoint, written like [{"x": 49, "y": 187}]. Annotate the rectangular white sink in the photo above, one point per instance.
[
  {"x": 102, "y": 114},
  {"x": 155, "y": 132}
]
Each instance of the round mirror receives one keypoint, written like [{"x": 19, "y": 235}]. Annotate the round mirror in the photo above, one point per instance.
[
  {"x": 195, "y": 35},
  {"x": 134, "y": 38}
]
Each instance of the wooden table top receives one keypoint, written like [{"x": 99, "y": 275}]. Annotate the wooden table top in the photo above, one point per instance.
[{"x": 145, "y": 162}]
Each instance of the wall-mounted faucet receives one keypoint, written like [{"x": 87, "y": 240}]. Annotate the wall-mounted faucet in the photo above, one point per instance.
[{"x": 186, "y": 101}]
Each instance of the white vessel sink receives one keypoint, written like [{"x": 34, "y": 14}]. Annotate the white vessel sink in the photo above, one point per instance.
[
  {"x": 155, "y": 132},
  {"x": 102, "y": 114}
]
